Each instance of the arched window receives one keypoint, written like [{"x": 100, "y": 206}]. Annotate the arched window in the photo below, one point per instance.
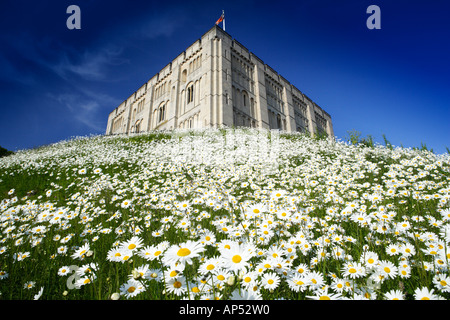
[
  {"x": 190, "y": 94},
  {"x": 184, "y": 76},
  {"x": 162, "y": 111},
  {"x": 138, "y": 125}
]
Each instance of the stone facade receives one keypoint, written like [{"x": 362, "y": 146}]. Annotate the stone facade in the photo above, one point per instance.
[{"x": 217, "y": 82}]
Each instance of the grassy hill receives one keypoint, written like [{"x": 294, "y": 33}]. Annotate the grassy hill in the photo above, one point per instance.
[{"x": 223, "y": 214}]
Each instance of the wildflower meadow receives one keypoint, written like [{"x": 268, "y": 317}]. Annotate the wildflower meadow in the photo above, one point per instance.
[{"x": 224, "y": 214}]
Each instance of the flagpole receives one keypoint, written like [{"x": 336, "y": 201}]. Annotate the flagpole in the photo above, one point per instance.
[{"x": 223, "y": 13}]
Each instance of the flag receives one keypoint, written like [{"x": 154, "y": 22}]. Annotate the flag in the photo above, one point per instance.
[{"x": 220, "y": 19}]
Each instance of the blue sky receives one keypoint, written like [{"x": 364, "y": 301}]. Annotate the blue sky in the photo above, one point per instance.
[{"x": 57, "y": 83}]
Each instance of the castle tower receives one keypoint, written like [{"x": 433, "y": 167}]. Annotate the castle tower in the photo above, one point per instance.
[{"x": 218, "y": 82}]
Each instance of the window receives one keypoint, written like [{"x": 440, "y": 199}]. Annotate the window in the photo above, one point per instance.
[
  {"x": 190, "y": 94},
  {"x": 184, "y": 76},
  {"x": 141, "y": 105},
  {"x": 278, "y": 122},
  {"x": 162, "y": 111}
]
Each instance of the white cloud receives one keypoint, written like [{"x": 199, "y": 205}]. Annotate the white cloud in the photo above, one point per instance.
[
  {"x": 84, "y": 108},
  {"x": 91, "y": 65}
]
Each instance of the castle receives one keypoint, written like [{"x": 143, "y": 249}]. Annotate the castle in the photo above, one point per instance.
[{"x": 217, "y": 82}]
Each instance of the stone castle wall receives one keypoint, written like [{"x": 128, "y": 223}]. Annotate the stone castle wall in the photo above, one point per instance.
[{"x": 218, "y": 82}]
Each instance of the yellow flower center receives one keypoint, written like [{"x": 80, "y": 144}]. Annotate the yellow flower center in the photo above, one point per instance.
[
  {"x": 236, "y": 259},
  {"x": 183, "y": 252},
  {"x": 270, "y": 281},
  {"x": 352, "y": 270},
  {"x": 132, "y": 246},
  {"x": 324, "y": 298},
  {"x": 210, "y": 267},
  {"x": 177, "y": 284},
  {"x": 131, "y": 289}
]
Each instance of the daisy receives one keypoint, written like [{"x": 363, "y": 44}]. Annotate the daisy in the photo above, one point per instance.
[
  {"x": 255, "y": 210},
  {"x": 152, "y": 252},
  {"x": 209, "y": 265},
  {"x": 249, "y": 279},
  {"x": 236, "y": 258},
  {"x": 176, "y": 286},
  {"x": 132, "y": 244},
  {"x": 323, "y": 294},
  {"x": 394, "y": 295},
  {"x": 404, "y": 272},
  {"x": 84, "y": 281},
  {"x": 81, "y": 252},
  {"x": 21, "y": 255},
  {"x": 140, "y": 272},
  {"x": 125, "y": 255},
  {"x": 39, "y": 294},
  {"x": 298, "y": 283},
  {"x": 29, "y": 285},
  {"x": 183, "y": 253},
  {"x": 425, "y": 294},
  {"x": 97, "y": 170},
  {"x": 62, "y": 250},
  {"x": 354, "y": 270},
  {"x": 157, "y": 233},
  {"x": 125, "y": 203},
  {"x": 220, "y": 278},
  {"x": 315, "y": 279},
  {"x": 131, "y": 288},
  {"x": 392, "y": 250},
  {"x": 270, "y": 280},
  {"x": 208, "y": 238},
  {"x": 174, "y": 271},
  {"x": 3, "y": 274},
  {"x": 114, "y": 254},
  {"x": 154, "y": 274},
  {"x": 442, "y": 282},
  {"x": 63, "y": 271},
  {"x": 338, "y": 285},
  {"x": 87, "y": 269},
  {"x": 245, "y": 295},
  {"x": 387, "y": 269},
  {"x": 277, "y": 194},
  {"x": 407, "y": 250}
]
